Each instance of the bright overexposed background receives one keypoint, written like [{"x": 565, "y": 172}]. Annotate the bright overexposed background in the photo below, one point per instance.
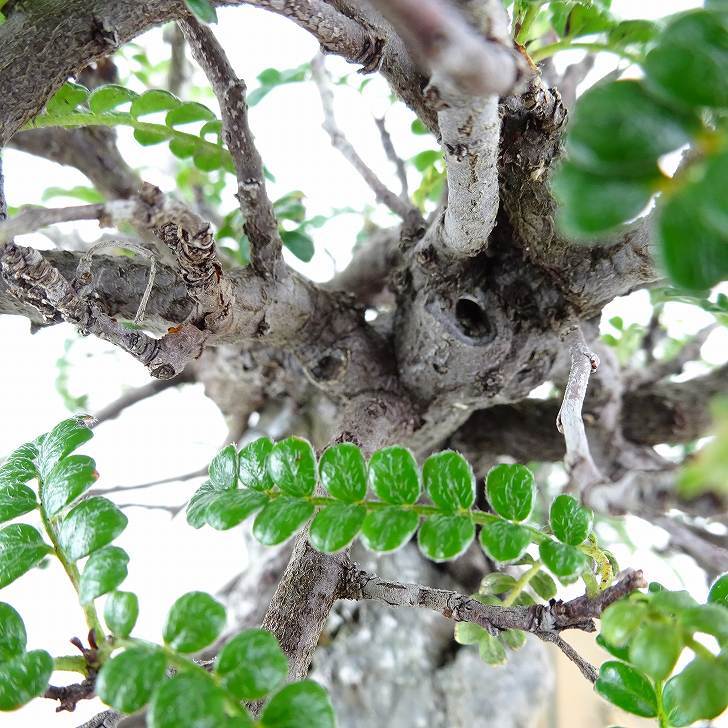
[{"x": 180, "y": 430}]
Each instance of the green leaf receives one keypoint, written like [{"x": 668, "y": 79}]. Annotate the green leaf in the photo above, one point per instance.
[
  {"x": 442, "y": 538},
  {"x": 708, "y": 618},
  {"x": 104, "y": 571},
  {"x": 303, "y": 703},
  {"x": 417, "y": 127},
  {"x": 15, "y": 500},
  {"x": 106, "y": 98},
  {"x": 209, "y": 159},
  {"x": 449, "y": 481},
  {"x": 503, "y": 541},
  {"x": 697, "y": 693},
  {"x": 388, "y": 529},
  {"x": 13, "y": 638},
  {"x": 618, "y": 129},
  {"x": 543, "y": 585},
  {"x": 253, "y": 468},
  {"x": 280, "y": 519},
  {"x": 71, "y": 477},
  {"x": 621, "y": 653},
  {"x": 23, "y": 678},
  {"x": 199, "y": 503},
  {"x": 343, "y": 472},
  {"x": 203, "y": 10},
  {"x": 292, "y": 465},
  {"x": 194, "y": 621},
  {"x": 627, "y": 688},
  {"x": 21, "y": 548},
  {"x": 19, "y": 466},
  {"x": 655, "y": 648},
  {"x": 621, "y": 620},
  {"x": 189, "y": 700},
  {"x": 672, "y": 602},
  {"x": 511, "y": 491},
  {"x": 63, "y": 439},
  {"x": 223, "y": 471},
  {"x": 692, "y": 227},
  {"x": 426, "y": 159},
  {"x": 252, "y": 665},
  {"x": 491, "y": 650},
  {"x": 120, "y": 612},
  {"x": 513, "y": 638},
  {"x": 632, "y": 32},
  {"x": 188, "y": 112},
  {"x": 150, "y": 137},
  {"x": 561, "y": 559},
  {"x": 127, "y": 681},
  {"x": 570, "y": 521},
  {"x": 719, "y": 591},
  {"x": 230, "y": 508},
  {"x": 79, "y": 192},
  {"x": 336, "y": 526},
  {"x": 91, "y": 524},
  {"x": 496, "y": 583},
  {"x": 66, "y": 99},
  {"x": 393, "y": 475},
  {"x": 183, "y": 148},
  {"x": 299, "y": 243},
  {"x": 468, "y": 633},
  {"x": 688, "y": 64},
  {"x": 152, "y": 101},
  {"x": 593, "y": 205}
]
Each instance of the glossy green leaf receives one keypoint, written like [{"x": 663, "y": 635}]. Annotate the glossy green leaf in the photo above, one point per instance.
[
  {"x": 230, "y": 508},
  {"x": 194, "y": 621},
  {"x": 449, "y": 481},
  {"x": 253, "y": 467},
  {"x": 303, "y": 703},
  {"x": 468, "y": 633},
  {"x": 388, "y": 529},
  {"x": 504, "y": 541},
  {"x": 336, "y": 526},
  {"x": 71, "y": 477},
  {"x": 343, "y": 472},
  {"x": 627, "y": 688},
  {"x": 393, "y": 475},
  {"x": 21, "y": 548},
  {"x": 561, "y": 559},
  {"x": 153, "y": 101},
  {"x": 593, "y": 205},
  {"x": 299, "y": 243},
  {"x": 543, "y": 585},
  {"x": 223, "y": 471},
  {"x": 13, "y": 638},
  {"x": 719, "y": 591},
  {"x": 150, "y": 137},
  {"x": 621, "y": 653},
  {"x": 252, "y": 664},
  {"x": 692, "y": 227},
  {"x": 292, "y": 465},
  {"x": 104, "y": 571},
  {"x": 187, "y": 113},
  {"x": 189, "y": 700},
  {"x": 707, "y": 618},
  {"x": 511, "y": 491},
  {"x": 199, "y": 503},
  {"x": 91, "y": 524},
  {"x": 203, "y": 10},
  {"x": 570, "y": 521},
  {"x": 491, "y": 650},
  {"x": 120, "y": 612},
  {"x": 19, "y": 466},
  {"x": 280, "y": 519},
  {"x": 654, "y": 649},
  {"x": 15, "y": 500},
  {"x": 442, "y": 538},
  {"x": 697, "y": 693},
  {"x": 62, "y": 440},
  {"x": 618, "y": 129},
  {"x": 496, "y": 582},
  {"x": 66, "y": 99},
  {"x": 621, "y": 620},
  {"x": 688, "y": 64},
  {"x": 23, "y": 678},
  {"x": 127, "y": 681},
  {"x": 107, "y": 98}
]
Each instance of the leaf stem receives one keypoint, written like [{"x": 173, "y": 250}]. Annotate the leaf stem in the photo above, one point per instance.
[
  {"x": 567, "y": 44},
  {"x": 521, "y": 584},
  {"x": 70, "y": 663},
  {"x": 527, "y": 22},
  {"x": 699, "y": 649},
  {"x": 661, "y": 716}
]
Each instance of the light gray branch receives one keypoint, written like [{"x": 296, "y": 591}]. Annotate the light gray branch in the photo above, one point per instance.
[
  {"x": 393, "y": 157},
  {"x": 34, "y": 218}
]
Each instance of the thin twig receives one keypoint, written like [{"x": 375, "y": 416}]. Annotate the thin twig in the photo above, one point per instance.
[
  {"x": 199, "y": 473},
  {"x": 393, "y": 157},
  {"x": 35, "y": 218},
  {"x": 260, "y": 224},
  {"x": 586, "y": 668},
  {"x": 404, "y": 208}
]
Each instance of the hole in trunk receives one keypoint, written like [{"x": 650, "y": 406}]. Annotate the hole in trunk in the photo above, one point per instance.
[{"x": 472, "y": 319}]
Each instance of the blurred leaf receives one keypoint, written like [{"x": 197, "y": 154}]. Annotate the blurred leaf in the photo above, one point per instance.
[
  {"x": 203, "y": 10},
  {"x": 697, "y": 693},
  {"x": 23, "y": 678},
  {"x": 66, "y": 99},
  {"x": 303, "y": 703},
  {"x": 654, "y": 649},
  {"x": 13, "y": 638},
  {"x": 299, "y": 243},
  {"x": 120, "y": 612},
  {"x": 189, "y": 700},
  {"x": 107, "y": 98},
  {"x": 21, "y": 548},
  {"x": 126, "y": 682}
]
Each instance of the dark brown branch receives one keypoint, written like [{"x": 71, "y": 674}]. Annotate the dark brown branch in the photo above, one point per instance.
[{"x": 68, "y": 696}]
